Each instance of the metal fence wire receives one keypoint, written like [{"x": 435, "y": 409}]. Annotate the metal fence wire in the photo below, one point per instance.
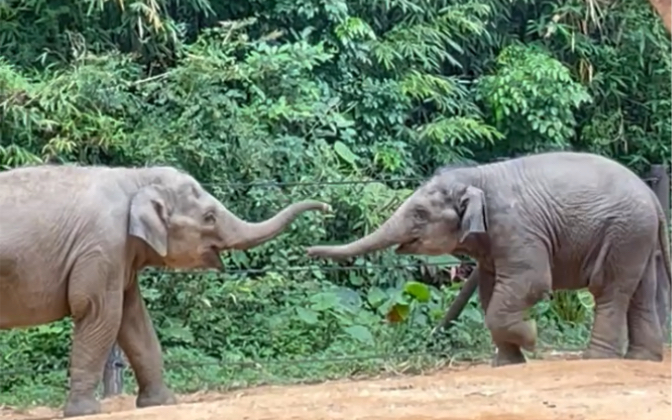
[
  {"x": 269, "y": 184},
  {"x": 657, "y": 179}
]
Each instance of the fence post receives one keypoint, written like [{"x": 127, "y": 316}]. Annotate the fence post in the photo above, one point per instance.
[
  {"x": 113, "y": 375},
  {"x": 660, "y": 185}
]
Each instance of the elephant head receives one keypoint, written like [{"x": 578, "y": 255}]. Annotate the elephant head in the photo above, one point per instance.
[
  {"x": 434, "y": 220},
  {"x": 187, "y": 227}
]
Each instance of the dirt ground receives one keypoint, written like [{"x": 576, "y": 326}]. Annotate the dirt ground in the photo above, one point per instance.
[{"x": 540, "y": 390}]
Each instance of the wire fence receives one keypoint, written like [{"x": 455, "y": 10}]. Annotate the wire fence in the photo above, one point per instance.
[
  {"x": 113, "y": 376},
  {"x": 307, "y": 268},
  {"x": 269, "y": 184}
]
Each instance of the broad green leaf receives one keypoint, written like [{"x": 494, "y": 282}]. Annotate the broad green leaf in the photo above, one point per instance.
[
  {"x": 360, "y": 333},
  {"x": 324, "y": 301},
  {"x": 418, "y": 290},
  {"x": 376, "y": 296},
  {"x": 307, "y": 315},
  {"x": 355, "y": 279},
  {"x": 342, "y": 318},
  {"x": 400, "y": 298},
  {"x": 345, "y": 153},
  {"x": 348, "y": 299},
  {"x": 472, "y": 314}
]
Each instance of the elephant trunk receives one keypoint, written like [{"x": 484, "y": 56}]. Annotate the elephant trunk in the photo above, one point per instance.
[
  {"x": 390, "y": 233},
  {"x": 243, "y": 235}
]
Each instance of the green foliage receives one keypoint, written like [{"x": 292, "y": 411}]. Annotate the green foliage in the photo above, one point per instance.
[
  {"x": 289, "y": 93},
  {"x": 622, "y": 56},
  {"x": 532, "y": 99}
]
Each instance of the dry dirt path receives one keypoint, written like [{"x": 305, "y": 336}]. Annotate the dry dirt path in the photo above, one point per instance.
[{"x": 540, "y": 390}]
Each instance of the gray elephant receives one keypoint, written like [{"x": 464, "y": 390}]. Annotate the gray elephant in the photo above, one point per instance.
[
  {"x": 72, "y": 240},
  {"x": 537, "y": 223}
]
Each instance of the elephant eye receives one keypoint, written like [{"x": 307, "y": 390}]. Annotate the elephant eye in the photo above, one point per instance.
[
  {"x": 209, "y": 218},
  {"x": 421, "y": 214}
]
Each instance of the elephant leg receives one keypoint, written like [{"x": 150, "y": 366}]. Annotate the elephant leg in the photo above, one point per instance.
[
  {"x": 486, "y": 284},
  {"x": 507, "y": 353},
  {"x": 628, "y": 261},
  {"x": 608, "y": 334},
  {"x": 521, "y": 281},
  {"x": 139, "y": 342},
  {"x": 609, "y": 330},
  {"x": 96, "y": 314},
  {"x": 645, "y": 338}
]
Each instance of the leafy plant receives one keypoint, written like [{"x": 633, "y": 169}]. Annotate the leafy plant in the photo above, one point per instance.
[{"x": 532, "y": 98}]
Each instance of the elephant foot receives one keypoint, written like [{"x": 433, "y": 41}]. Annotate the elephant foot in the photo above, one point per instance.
[
  {"x": 638, "y": 353},
  {"x": 530, "y": 341},
  {"x": 595, "y": 353},
  {"x": 523, "y": 334},
  {"x": 154, "y": 397},
  {"x": 508, "y": 355},
  {"x": 80, "y": 406}
]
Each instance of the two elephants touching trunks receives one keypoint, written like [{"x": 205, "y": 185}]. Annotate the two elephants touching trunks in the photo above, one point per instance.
[
  {"x": 539, "y": 223},
  {"x": 72, "y": 240}
]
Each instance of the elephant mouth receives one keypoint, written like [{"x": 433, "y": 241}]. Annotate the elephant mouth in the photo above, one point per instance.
[
  {"x": 408, "y": 247},
  {"x": 211, "y": 258}
]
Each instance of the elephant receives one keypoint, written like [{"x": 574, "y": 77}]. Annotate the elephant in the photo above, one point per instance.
[
  {"x": 73, "y": 239},
  {"x": 537, "y": 223}
]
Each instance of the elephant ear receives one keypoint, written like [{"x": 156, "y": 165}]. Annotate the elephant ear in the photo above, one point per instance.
[
  {"x": 474, "y": 216},
  {"x": 148, "y": 219}
]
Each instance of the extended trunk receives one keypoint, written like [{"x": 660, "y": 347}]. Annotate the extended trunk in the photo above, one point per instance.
[
  {"x": 244, "y": 235},
  {"x": 390, "y": 233}
]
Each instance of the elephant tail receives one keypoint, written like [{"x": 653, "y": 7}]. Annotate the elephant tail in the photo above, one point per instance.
[
  {"x": 458, "y": 305},
  {"x": 664, "y": 243}
]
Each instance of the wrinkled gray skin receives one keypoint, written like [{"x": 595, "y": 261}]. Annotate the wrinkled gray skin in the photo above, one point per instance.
[
  {"x": 662, "y": 293},
  {"x": 72, "y": 240},
  {"x": 538, "y": 223}
]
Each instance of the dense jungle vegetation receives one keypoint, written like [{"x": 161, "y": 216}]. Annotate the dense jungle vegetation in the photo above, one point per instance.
[{"x": 290, "y": 94}]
